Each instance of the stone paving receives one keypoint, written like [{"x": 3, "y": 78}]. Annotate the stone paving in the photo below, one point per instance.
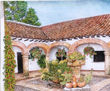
[
  {"x": 100, "y": 85},
  {"x": 97, "y": 84},
  {"x": 105, "y": 88}
]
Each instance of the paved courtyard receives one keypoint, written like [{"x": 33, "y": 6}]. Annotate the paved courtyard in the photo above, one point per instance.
[{"x": 97, "y": 84}]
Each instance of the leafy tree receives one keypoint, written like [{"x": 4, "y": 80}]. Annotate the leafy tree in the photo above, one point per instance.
[
  {"x": 18, "y": 11},
  {"x": 31, "y": 17}
]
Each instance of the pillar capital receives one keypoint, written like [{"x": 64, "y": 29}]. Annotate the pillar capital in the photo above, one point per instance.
[
  {"x": 26, "y": 54},
  {"x": 107, "y": 53}
]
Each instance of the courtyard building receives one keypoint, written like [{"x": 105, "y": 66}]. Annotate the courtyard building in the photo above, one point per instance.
[{"x": 72, "y": 36}]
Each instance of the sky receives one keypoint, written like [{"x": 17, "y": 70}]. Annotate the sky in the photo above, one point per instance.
[{"x": 50, "y": 12}]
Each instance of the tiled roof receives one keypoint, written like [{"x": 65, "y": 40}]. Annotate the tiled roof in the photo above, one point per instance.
[
  {"x": 97, "y": 25},
  {"x": 25, "y": 31}
]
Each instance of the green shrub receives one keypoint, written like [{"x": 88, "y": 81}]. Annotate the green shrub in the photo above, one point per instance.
[{"x": 55, "y": 71}]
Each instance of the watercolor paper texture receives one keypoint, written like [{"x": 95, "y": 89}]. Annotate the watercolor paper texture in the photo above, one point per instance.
[{"x": 51, "y": 37}]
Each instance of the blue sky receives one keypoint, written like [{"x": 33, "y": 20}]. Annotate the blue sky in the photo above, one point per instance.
[{"x": 50, "y": 12}]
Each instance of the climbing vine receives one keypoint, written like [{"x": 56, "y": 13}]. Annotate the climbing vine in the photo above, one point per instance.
[{"x": 9, "y": 65}]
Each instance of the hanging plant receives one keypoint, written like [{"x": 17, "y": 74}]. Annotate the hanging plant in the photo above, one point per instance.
[
  {"x": 35, "y": 53},
  {"x": 61, "y": 53},
  {"x": 41, "y": 62},
  {"x": 89, "y": 51}
]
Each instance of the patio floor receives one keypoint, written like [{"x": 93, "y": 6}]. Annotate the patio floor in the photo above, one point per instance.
[{"x": 97, "y": 84}]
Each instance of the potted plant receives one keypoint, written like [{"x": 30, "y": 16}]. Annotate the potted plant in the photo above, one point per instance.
[
  {"x": 81, "y": 82},
  {"x": 76, "y": 58},
  {"x": 90, "y": 51},
  {"x": 55, "y": 71},
  {"x": 74, "y": 82},
  {"x": 67, "y": 80}
]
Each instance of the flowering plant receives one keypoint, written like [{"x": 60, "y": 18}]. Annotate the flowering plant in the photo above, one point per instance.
[
  {"x": 90, "y": 51},
  {"x": 76, "y": 56},
  {"x": 55, "y": 71},
  {"x": 61, "y": 53},
  {"x": 35, "y": 53}
]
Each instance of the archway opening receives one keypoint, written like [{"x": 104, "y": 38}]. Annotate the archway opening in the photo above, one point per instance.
[
  {"x": 58, "y": 53},
  {"x": 93, "y": 62},
  {"x": 36, "y": 59}
]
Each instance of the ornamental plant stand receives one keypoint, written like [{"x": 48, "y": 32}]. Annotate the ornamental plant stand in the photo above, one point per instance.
[
  {"x": 75, "y": 61},
  {"x": 76, "y": 67}
]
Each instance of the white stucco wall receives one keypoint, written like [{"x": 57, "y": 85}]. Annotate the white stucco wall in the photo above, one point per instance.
[
  {"x": 33, "y": 65},
  {"x": 90, "y": 61},
  {"x": 16, "y": 49}
]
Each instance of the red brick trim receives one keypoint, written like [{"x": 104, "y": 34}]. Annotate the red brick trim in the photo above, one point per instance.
[
  {"x": 19, "y": 45},
  {"x": 41, "y": 45},
  {"x": 55, "y": 44}
]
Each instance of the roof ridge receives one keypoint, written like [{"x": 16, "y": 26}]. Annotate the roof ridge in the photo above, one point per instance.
[{"x": 75, "y": 20}]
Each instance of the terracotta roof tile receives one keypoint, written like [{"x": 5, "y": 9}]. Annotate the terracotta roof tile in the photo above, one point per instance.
[
  {"x": 97, "y": 25},
  {"x": 24, "y": 31}
]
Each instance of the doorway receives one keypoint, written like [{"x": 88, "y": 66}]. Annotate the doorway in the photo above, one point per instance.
[{"x": 20, "y": 62}]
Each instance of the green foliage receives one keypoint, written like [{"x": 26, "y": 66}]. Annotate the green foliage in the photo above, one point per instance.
[
  {"x": 17, "y": 10},
  {"x": 67, "y": 78},
  {"x": 55, "y": 71},
  {"x": 31, "y": 17},
  {"x": 81, "y": 79},
  {"x": 36, "y": 53},
  {"x": 9, "y": 65},
  {"x": 41, "y": 61},
  {"x": 61, "y": 53},
  {"x": 88, "y": 77},
  {"x": 76, "y": 56},
  {"x": 90, "y": 51}
]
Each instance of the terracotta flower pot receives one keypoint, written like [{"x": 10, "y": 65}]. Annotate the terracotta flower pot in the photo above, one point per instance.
[
  {"x": 81, "y": 84},
  {"x": 55, "y": 81},
  {"x": 69, "y": 85},
  {"x": 79, "y": 62},
  {"x": 74, "y": 84}
]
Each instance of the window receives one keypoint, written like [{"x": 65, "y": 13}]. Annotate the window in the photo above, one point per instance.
[{"x": 99, "y": 57}]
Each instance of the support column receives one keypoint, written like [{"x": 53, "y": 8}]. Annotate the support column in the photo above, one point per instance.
[
  {"x": 25, "y": 64},
  {"x": 47, "y": 59},
  {"x": 107, "y": 63}
]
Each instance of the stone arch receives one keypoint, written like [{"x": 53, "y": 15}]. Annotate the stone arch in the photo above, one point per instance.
[
  {"x": 89, "y": 40},
  {"x": 41, "y": 45},
  {"x": 58, "y": 44},
  {"x": 94, "y": 41},
  {"x": 19, "y": 45}
]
